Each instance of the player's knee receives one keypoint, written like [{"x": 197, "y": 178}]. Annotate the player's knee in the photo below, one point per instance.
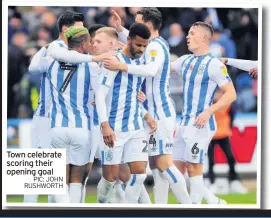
[
  {"x": 77, "y": 174},
  {"x": 110, "y": 177},
  {"x": 181, "y": 166},
  {"x": 194, "y": 169},
  {"x": 190, "y": 169},
  {"x": 124, "y": 175},
  {"x": 138, "y": 167},
  {"x": 110, "y": 172},
  {"x": 163, "y": 162},
  {"x": 137, "y": 179}
]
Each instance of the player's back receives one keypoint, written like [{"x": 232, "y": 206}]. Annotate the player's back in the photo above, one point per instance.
[
  {"x": 160, "y": 104},
  {"x": 123, "y": 106},
  {"x": 44, "y": 103},
  {"x": 71, "y": 107}
]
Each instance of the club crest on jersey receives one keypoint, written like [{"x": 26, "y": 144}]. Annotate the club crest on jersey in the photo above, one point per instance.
[
  {"x": 201, "y": 69},
  {"x": 109, "y": 155},
  {"x": 153, "y": 53},
  {"x": 224, "y": 70}
]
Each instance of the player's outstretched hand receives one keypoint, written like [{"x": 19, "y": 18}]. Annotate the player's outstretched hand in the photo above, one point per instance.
[
  {"x": 141, "y": 97},
  {"x": 223, "y": 60},
  {"x": 253, "y": 72},
  {"x": 112, "y": 64},
  {"x": 116, "y": 21},
  {"x": 103, "y": 56},
  {"x": 108, "y": 135},
  {"x": 151, "y": 123},
  {"x": 201, "y": 120}
]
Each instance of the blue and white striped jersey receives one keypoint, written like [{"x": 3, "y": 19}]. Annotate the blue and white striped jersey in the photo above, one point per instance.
[
  {"x": 95, "y": 82},
  {"x": 159, "y": 104},
  {"x": 71, "y": 107},
  {"x": 45, "y": 100},
  {"x": 93, "y": 109},
  {"x": 123, "y": 108},
  {"x": 201, "y": 77}
]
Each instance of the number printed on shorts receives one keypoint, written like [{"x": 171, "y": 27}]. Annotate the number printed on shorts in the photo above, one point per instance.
[
  {"x": 152, "y": 141},
  {"x": 195, "y": 149},
  {"x": 145, "y": 149}
]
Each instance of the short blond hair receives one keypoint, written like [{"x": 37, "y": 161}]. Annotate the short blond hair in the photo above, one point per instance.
[{"x": 112, "y": 32}]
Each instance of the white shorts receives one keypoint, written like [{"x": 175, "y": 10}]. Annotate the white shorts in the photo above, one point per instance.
[
  {"x": 75, "y": 141},
  {"x": 191, "y": 143},
  {"x": 40, "y": 132},
  {"x": 130, "y": 147},
  {"x": 161, "y": 142},
  {"x": 96, "y": 141}
]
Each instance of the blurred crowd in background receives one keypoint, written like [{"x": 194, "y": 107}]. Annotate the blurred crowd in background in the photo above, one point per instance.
[{"x": 29, "y": 28}]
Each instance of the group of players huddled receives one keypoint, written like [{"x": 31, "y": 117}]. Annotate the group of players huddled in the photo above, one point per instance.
[{"x": 105, "y": 93}]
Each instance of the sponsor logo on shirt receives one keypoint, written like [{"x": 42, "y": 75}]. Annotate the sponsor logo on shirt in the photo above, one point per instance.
[{"x": 224, "y": 70}]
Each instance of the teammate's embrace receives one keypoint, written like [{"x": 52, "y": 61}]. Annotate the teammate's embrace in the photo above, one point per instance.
[
  {"x": 41, "y": 118},
  {"x": 70, "y": 114},
  {"x": 121, "y": 120},
  {"x": 157, "y": 70}
]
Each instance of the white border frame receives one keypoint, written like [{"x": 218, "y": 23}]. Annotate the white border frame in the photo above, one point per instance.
[{"x": 138, "y": 3}]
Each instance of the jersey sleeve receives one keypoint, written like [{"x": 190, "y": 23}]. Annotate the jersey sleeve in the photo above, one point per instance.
[
  {"x": 242, "y": 64},
  {"x": 218, "y": 72},
  {"x": 153, "y": 57},
  {"x": 104, "y": 87},
  {"x": 95, "y": 76},
  {"x": 61, "y": 53},
  {"x": 178, "y": 64},
  {"x": 107, "y": 77},
  {"x": 38, "y": 64},
  {"x": 100, "y": 103},
  {"x": 122, "y": 36},
  {"x": 154, "y": 54}
]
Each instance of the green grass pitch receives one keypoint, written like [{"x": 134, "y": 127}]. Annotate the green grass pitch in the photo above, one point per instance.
[{"x": 249, "y": 198}]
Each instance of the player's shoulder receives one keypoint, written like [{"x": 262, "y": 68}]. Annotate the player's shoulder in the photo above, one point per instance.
[
  {"x": 49, "y": 59},
  {"x": 215, "y": 62},
  {"x": 186, "y": 56},
  {"x": 216, "y": 66},
  {"x": 94, "y": 68},
  {"x": 182, "y": 58},
  {"x": 155, "y": 44},
  {"x": 58, "y": 42}
]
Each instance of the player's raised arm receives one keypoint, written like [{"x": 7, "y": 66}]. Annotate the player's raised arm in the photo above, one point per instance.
[
  {"x": 116, "y": 23},
  {"x": 37, "y": 64},
  {"x": 106, "y": 83}
]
